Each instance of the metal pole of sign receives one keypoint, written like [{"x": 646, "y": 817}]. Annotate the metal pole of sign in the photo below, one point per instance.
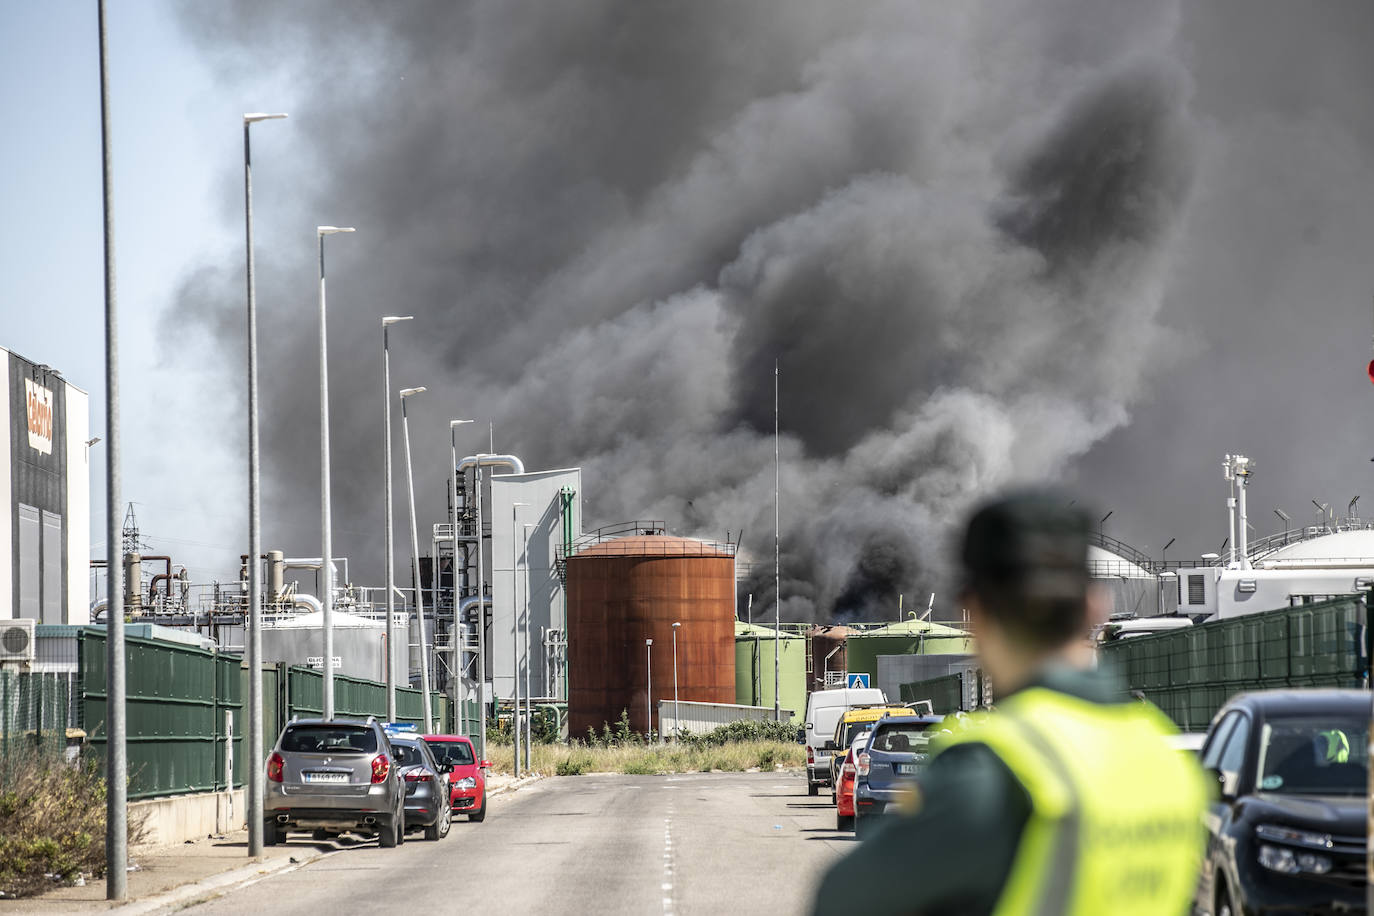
[
  {"x": 116, "y": 763},
  {"x": 777, "y": 555},
  {"x": 648, "y": 688}
]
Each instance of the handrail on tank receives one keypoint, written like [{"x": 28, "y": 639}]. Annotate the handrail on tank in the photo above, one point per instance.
[{"x": 640, "y": 528}]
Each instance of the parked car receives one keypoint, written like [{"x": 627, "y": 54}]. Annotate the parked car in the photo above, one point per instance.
[
  {"x": 844, "y": 783},
  {"x": 897, "y": 749},
  {"x": 334, "y": 775},
  {"x": 823, "y": 710},
  {"x": 852, "y": 721},
  {"x": 467, "y": 775},
  {"x": 427, "y": 786},
  {"x": 1288, "y": 830}
]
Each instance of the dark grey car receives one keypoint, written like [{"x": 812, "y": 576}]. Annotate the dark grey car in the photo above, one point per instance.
[
  {"x": 427, "y": 787},
  {"x": 330, "y": 776}
]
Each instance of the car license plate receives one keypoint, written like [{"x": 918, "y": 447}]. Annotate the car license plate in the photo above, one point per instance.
[
  {"x": 905, "y": 769},
  {"x": 326, "y": 777}
]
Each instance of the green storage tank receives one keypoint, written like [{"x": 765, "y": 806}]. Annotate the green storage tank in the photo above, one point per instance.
[
  {"x": 754, "y": 668},
  {"x": 906, "y": 637}
]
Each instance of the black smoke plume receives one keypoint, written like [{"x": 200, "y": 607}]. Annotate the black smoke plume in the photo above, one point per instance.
[{"x": 949, "y": 224}]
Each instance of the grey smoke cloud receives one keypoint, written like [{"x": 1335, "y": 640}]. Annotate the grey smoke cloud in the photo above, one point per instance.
[{"x": 953, "y": 225}]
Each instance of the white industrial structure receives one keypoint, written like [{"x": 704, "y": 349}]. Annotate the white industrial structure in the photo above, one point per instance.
[
  {"x": 1294, "y": 567},
  {"x": 45, "y": 537}
]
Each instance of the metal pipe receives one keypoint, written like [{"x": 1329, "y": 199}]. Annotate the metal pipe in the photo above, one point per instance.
[
  {"x": 512, "y": 462},
  {"x": 98, "y": 607},
  {"x": 301, "y": 599},
  {"x": 116, "y": 761}
]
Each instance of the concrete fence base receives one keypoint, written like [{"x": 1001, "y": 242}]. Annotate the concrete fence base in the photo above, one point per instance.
[{"x": 178, "y": 818}]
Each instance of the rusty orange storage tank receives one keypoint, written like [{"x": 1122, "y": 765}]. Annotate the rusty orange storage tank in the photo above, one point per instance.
[{"x": 624, "y": 590}]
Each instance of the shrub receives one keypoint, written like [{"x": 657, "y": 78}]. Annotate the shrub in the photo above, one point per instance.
[{"x": 52, "y": 823}]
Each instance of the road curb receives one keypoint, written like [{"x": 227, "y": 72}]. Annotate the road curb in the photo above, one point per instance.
[{"x": 188, "y": 894}]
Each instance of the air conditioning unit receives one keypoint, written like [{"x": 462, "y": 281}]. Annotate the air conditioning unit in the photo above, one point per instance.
[{"x": 16, "y": 640}]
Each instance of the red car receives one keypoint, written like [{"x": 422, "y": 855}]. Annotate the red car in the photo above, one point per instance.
[
  {"x": 844, "y": 789},
  {"x": 467, "y": 778}
]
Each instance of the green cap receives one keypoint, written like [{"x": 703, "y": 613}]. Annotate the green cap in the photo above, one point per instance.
[{"x": 1033, "y": 541}]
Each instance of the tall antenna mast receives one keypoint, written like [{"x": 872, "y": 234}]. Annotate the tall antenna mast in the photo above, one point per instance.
[{"x": 777, "y": 553}]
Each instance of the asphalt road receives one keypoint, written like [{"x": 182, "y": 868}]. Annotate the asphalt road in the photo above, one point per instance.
[{"x": 699, "y": 843}]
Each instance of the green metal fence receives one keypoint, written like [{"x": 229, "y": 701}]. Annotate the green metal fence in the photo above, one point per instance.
[
  {"x": 1190, "y": 673},
  {"x": 185, "y": 705},
  {"x": 34, "y": 712}
]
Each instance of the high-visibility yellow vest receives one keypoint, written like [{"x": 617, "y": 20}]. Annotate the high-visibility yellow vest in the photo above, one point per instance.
[{"x": 1116, "y": 814}]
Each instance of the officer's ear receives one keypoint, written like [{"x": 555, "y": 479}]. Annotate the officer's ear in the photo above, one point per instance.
[{"x": 1099, "y": 600}]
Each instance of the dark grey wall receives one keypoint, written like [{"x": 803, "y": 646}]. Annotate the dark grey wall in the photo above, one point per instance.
[{"x": 39, "y": 480}]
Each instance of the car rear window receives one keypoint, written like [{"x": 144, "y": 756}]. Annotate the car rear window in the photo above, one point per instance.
[
  {"x": 407, "y": 755},
  {"x": 901, "y": 739},
  {"x": 458, "y": 753},
  {"x": 329, "y": 739}
]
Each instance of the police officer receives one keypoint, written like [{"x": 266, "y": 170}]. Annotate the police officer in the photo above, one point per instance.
[{"x": 1067, "y": 799}]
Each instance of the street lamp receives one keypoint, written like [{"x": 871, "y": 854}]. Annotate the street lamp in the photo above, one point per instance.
[
  {"x": 481, "y": 616},
  {"x": 256, "y": 772},
  {"x": 415, "y": 561},
  {"x": 387, "y": 322},
  {"x": 677, "y": 711},
  {"x": 529, "y": 694},
  {"x": 515, "y": 626},
  {"x": 649, "y": 689},
  {"x": 453, "y": 514},
  {"x": 326, "y": 541}
]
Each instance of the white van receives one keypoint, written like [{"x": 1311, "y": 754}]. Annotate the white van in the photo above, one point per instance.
[{"x": 823, "y": 710}]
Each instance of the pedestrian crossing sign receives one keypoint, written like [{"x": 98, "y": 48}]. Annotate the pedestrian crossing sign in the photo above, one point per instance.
[{"x": 858, "y": 679}]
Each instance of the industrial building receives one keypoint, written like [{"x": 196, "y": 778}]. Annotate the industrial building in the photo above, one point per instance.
[{"x": 45, "y": 540}]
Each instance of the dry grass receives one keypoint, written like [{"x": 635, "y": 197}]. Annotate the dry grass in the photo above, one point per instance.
[{"x": 640, "y": 759}]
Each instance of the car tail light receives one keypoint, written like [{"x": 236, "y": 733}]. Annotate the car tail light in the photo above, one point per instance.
[
  {"x": 863, "y": 764},
  {"x": 381, "y": 766},
  {"x": 810, "y": 754},
  {"x": 848, "y": 769},
  {"x": 417, "y": 776},
  {"x": 275, "y": 764}
]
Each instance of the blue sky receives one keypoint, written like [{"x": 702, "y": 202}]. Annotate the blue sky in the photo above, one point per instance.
[{"x": 177, "y": 152}]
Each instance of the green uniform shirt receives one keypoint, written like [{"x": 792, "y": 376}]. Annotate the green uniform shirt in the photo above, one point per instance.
[{"x": 954, "y": 855}]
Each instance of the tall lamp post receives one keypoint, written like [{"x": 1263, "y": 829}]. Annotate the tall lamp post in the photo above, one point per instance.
[
  {"x": 326, "y": 540},
  {"x": 415, "y": 561},
  {"x": 649, "y": 688},
  {"x": 677, "y": 710},
  {"x": 390, "y": 666},
  {"x": 529, "y": 694},
  {"x": 453, "y": 519},
  {"x": 256, "y": 773},
  {"x": 515, "y": 626},
  {"x": 481, "y": 618}
]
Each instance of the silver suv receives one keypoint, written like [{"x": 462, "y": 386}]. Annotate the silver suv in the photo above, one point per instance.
[{"x": 334, "y": 775}]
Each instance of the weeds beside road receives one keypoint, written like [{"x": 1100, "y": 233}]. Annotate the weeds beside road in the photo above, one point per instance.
[{"x": 732, "y": 748}]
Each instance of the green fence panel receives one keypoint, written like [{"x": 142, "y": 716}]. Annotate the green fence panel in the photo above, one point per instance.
[
  {"x": 170, "y": 713},
  {"x": 1316, "y": 645},
  {"x": 34, "y": 712},
  {"x": 231, "y": 696}
]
